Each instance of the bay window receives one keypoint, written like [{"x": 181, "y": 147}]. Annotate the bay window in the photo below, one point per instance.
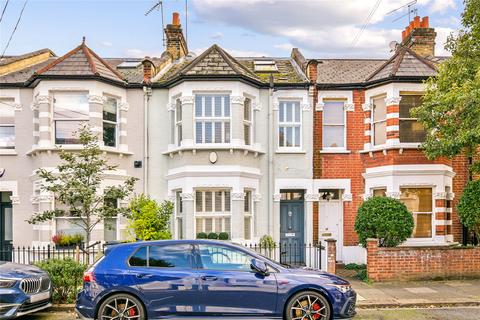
[
  {"x": 333, "y": 128},
  {"x": 410, "y": 129},
  {"x": 70, "y": 112},
  {"x": 179, "y": 212},
  {"x": 419, "y": 202},
  {"x": 212, "y": 211},
  {"x": 7, "y": 124},
  {"x": 379, "y": 123},
  {"x": 289, "y": 124},
  {"x": 178, "y": 122},
  {"x": 110, "y": 122},
  {"x": 248, "y": 214},
  {"x": 247, "y": 121},
  {"x": 212, "y": 118}
]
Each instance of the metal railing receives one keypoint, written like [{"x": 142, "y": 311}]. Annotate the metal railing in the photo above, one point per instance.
[{"x": 293, "y": 254}]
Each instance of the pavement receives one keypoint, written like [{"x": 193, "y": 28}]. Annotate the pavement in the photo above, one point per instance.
[
  {"x": 418, "y": 294},
  {"x": 463, "y": 313}
]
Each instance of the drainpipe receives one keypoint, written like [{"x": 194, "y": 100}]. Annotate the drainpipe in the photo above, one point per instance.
[
  {"x": 270, "y": 135},
  {"x": 147, "y": 93}
]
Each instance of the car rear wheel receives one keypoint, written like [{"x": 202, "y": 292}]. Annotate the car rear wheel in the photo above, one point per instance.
[
  {"x": 308, "y": 305},
  {"x": 121, "y": 307}
]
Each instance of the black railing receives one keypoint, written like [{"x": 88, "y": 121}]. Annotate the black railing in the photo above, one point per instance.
[{"x": 292, "y": 254}]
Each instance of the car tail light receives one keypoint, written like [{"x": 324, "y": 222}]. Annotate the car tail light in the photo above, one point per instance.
[{"x": 88, "y": 276}]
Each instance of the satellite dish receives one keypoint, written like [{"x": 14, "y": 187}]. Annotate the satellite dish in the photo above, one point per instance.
[{"x": 393, "y": 45}]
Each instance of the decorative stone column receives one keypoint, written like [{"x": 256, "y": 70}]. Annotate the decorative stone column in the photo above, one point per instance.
[
  {"x": 96, "y": 116},
  {"x": 188, "y": 125},
  {"x": 238, "y": 221},
  {"x": 188, "y": 202},
  {"x": 367, "y": 116},
  {"x": 43, "y": 103},
  {"x": 393, "y": 121},
  {"x": 257, "y": 198},
  {"x": 122, "y": 143},
  {"x": 274, "y": 227},
  {"x": 237, "y": 106}
]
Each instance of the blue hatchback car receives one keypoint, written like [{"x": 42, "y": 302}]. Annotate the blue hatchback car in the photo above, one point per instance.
[{"x": 202, "y": 279}]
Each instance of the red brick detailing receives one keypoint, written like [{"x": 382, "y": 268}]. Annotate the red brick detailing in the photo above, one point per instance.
[
  {"x": 331, "y": 256},
  {"x": 394, "y": 108},
  {"x": 440, "y": 230},
  {"x": 417, "y": 263},
  {"x": 460, "y": 167}
]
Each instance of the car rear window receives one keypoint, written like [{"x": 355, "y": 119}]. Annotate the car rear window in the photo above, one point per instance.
[
  {"x": 170, "y": 256},
  {"x": 139, "y": 258}
]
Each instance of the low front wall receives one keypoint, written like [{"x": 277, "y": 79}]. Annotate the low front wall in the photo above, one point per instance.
[{"x": 418, "y": 263}]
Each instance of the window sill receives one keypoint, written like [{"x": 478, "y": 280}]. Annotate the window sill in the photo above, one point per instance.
[
  {"x": 329, "y": 151},
  {"x": 213, "y": 147},
  {"x": 75, "y": 147},
  {"x": 293, "y": 151},
  {"x": 385, "y": 147},
  {"x": 8, "y": 152}
]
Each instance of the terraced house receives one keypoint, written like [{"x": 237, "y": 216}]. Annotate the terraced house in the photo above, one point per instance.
[{"x": 280, "y": 146}]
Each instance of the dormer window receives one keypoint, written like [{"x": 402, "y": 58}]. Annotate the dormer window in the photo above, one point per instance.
[{"x": 265, "y": 66}]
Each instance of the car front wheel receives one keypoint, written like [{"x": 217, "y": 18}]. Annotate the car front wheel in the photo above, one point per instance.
[
  {"x": 121, "y": 307},
  {"x": 308, "y": 305}
]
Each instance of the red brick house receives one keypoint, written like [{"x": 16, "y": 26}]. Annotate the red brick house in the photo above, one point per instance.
[{"x": 366, "y": 143}]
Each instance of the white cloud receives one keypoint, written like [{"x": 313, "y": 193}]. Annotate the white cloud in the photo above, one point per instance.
[
  {"x": 442, "y": 35},
  {"x": 442, "y": 6},
  {"x": 284, "y": 46},
  {"x": 234, "y": 52},
  {"x": 323, "y": 27},
  {"x": 217, "y": 35},
  {"x": 139, "y": 53},
  {"x": 107, "y": 44}
]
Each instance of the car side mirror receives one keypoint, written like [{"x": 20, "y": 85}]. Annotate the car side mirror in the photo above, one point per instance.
[{"x": 259, "y": 267}]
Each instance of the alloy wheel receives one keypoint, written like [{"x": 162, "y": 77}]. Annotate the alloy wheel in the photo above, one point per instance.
[
  {"x": 309, "y": 307},
  {"x": 121, "y": 308}
]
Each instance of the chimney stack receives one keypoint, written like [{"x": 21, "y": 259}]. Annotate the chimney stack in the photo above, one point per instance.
[
  {"x": 176, "y": 44},
  {"x": 419, "y": 37}
]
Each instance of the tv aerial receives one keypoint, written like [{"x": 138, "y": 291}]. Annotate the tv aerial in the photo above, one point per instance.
[
  {"x": 159, "y": 7},
  {"x": 411, "y": 9}
]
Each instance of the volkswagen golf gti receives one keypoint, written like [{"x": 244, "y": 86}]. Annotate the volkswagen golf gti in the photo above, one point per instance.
[{"x": 203, "y": 279}]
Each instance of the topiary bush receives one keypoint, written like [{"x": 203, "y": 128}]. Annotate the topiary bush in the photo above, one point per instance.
[
  {"x": 266, "y": 242},
  {"x": 384, "y": 218},
  {"x": 202, "y": 235},
  {"x": 469, "y": 208},
  {"x": 212, "y": 235},
  {"x": 67, "y": 278},
  {"x": 223, "y": 236}
]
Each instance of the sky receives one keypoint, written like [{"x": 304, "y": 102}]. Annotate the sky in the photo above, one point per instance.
[{"x": 319, "y": 28}]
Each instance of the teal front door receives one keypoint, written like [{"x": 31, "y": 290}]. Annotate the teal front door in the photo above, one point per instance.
[{"x": 292, "y": 238}]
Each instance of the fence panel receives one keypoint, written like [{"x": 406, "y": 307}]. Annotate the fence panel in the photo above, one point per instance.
[{"x": 293, "y": 254}]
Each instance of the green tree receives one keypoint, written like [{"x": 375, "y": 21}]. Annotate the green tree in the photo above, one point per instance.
[
  {"x": 469, "y": 208},
  {"x": 76, "y": 186},
  {"x": 149, "y": 220},
  {"x": 385, "y": 219},
  {"x": 450, "y": 111}
]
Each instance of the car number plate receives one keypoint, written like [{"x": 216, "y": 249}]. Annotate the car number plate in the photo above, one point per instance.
[{"x": 40, "y": 296}]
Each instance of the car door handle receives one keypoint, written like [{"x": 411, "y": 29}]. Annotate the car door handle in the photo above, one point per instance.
[
  {"x": 144, "y": 276},
  {"x": 209, "y": 278}
]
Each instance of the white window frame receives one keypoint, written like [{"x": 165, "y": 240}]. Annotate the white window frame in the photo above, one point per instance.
[
  {"x": 55, "y": 119},
  {"x": 344, "y": 101},
  {"x": 407, "y": 119},
  {"x": 212, "y": 119},
  {"x": 223, "y": 215},
  {"x": 117, "y": 123},
  {"x": 179, "y": 215},
  {"x": 432, "y": 216},
  {"x": 373, "y": 122},
  {"x": 10, "y": 105},
  {"x": 248, "y": 122},
  {"x": 178, "y": 123},
  {"x": 248, "y": 214},
  {"x": 291, "y": 124}
]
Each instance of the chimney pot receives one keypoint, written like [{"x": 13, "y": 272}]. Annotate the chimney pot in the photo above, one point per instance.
[
  {"x": 425, "y": 22},
  {"x": 416, "y": 22},
  {"x": 176, "y": 19}
]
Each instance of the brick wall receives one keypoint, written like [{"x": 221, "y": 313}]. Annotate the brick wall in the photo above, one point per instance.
[{"x": 417, "y": 263}]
